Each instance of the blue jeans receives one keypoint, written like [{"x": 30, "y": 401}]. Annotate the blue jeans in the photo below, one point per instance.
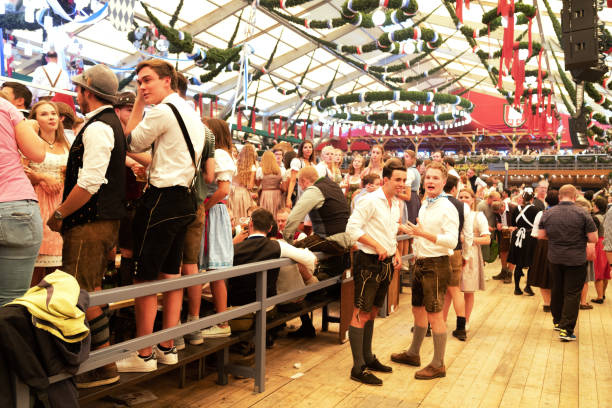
[{"x": 20, "y": 238}]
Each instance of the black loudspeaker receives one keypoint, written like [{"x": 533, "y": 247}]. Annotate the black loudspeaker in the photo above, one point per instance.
[
  {"x": 578, "y": 132},
  {"x": 581, "y": 40}
]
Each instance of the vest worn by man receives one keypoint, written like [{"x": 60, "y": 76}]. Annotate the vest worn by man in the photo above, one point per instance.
[
  {"x": 109, "y": 202},
  {"x": 241, "y": 289},
  {"x": 333, "y": 215},
  {"x": 460, "y": 207}
]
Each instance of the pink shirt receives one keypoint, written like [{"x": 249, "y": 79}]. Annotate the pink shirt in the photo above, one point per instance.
[{"x": 14, "y": 184}]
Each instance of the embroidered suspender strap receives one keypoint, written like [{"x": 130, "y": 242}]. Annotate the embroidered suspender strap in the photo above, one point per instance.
[
  {"x": 187, "y": 140},
  {"x": 52, "y": 83}
]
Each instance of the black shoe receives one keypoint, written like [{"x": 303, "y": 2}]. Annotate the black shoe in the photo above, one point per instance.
[
  {"x": 518, "y": 292},
  {"x": 501, "y": 275},
  {"x": 460, "y": 334},
  {"x": 508, "y": 278},
  {"x": 366, "y": 377},
  {"x": 376, "y": 365},
  {"x": 528, "y": 291},
  {"x": 598, "y": 301},
  {"x": 307, "y": 332}
]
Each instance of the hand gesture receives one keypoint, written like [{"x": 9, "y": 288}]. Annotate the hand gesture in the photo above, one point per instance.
[
  {"x": 414, "y": 229},
  {"x": 381, "y": 252},
  {"x": 54, "y": 224},
  {"x": 33, "y": 123},
  {"x": 288, "y": 203}
]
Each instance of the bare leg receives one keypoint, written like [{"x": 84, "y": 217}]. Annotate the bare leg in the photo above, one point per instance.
[
  {"x": 583, "y": 295},
  {"x": 458, "y": 302},
  {"x": 420, "y": 316},
  {"x": 172, "y": 302},
  {"x": 219, "y": 292},
  {"x": 545, "y": 296},
  {"x": 448, "y": 297},
  {"x": 146, "y": 310},
  {"x": 599, "y": 284},
  {"x": 469, "y": 305},
  {"x": 436, "y": 320},
  {"x": 194, "y": 293}
]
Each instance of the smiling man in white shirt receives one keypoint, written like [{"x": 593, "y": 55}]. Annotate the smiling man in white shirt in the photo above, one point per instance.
[
  {"x": 435, "y": 237},
  {"x": 374, "y": 225}
]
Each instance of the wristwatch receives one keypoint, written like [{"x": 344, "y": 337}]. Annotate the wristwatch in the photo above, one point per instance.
[{"x": 58, "y": 215}]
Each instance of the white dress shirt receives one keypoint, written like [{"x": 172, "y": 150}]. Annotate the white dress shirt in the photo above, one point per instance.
[
  {"x": 302, "y": 256},
  {"x": 441, "y": 219},
  {"x": 323, "y": 170},
  {"x": 98, "y": 142},
  {"x": 373, "y": 216},
  {"x": 39, "y": 78},
  {"x": 536, "y": 225},
  {"x": 467, "y": 231},
  {"x": 171, "y": 164}
]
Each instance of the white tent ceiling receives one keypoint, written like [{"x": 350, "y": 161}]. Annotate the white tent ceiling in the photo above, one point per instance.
[{"x": 211, "y": 23}]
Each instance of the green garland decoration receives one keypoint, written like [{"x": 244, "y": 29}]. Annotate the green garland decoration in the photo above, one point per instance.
[
  {"x": 394, "y": 118},
  {"x": 299, "y": 84},
  {"x": 569, "y": 86},
  {"x": 230, "y": 43},
  {"x": 413, "y": 96},
  {"x": 426, "y": 74},
  {"x": 471, "y": 87},
  {"x": 16, "y": 21},
  {"x": 179, "y": 41},
  {"x": 360, "y": 17},
  {"x": 175, "y": 16}
]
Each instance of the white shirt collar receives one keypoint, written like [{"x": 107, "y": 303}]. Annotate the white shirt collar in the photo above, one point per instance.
[
  {"x": 96, "y": 111},
  {"x": 257, "y": 234}
]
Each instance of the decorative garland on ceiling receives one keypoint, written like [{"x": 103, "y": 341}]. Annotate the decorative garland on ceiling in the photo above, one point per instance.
[
  {"x": 453, "y": 81},
  {"x": 413, "y": 96},
  {"x": 400, "y": 118},
  {"x": 299, "y": 84},
  {"x": 425, "y": 74},
  {"x": 355, "y": 12}
]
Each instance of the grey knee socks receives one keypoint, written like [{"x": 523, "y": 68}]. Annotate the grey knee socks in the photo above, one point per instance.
[
  {"x": 439, "y": 340},
  {"x": 368, "y": 332},
  {"x": 417, "y": 339},
  {"x": 356, "y": 340}
]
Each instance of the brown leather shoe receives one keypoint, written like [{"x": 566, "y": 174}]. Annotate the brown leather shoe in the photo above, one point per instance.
[
  {"x": 405, "y": 358},
  {"x": 430, "y": 372}
]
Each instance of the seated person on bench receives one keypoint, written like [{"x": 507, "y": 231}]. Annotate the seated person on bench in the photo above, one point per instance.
[{"x": 258, "y": 247}]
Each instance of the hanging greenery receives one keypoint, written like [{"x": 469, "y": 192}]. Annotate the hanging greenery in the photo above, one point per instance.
[
  {"x": 425, "y": 74},
  {"x": 179, "y": 40},
  {"x": 413, "y": 96},
  {"x": 353, "y": 12},
  {"x": 175, "y": 16},
  {"x": 299, "y": 84},
  {"x": 455, "y": 80},
  {"x": 397, "y": 118},
  {"x": 471, "y": 87},
  {"x": 16, "y": 21}
]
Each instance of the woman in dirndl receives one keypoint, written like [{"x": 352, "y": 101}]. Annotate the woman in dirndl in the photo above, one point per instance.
[
  {"x": 522, "y": 244},
  {"x": 217, "y": 248},
  {"x": 473, "y": 276},
  {"x": 539, "y": 272}
]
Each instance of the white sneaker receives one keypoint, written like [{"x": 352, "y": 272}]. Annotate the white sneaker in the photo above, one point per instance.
[
  {"x": 136, "y": 364},
  {"x": 166, "y": 357},
  {"x": 217, "y": 331}
]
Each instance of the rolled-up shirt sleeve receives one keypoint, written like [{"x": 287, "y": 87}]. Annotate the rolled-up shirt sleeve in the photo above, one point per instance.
[
  {"x": 361, "y": 213},
  {"x": 99, "y": 141},
  {"x": 302, "y": 256},
  {"x": 312, "y": 198},
  {"x": 450, "y": 230},
  {"x": 154, "y": 123}
]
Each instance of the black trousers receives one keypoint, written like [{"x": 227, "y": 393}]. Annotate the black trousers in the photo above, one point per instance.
[{"x": 567, "y": 284}]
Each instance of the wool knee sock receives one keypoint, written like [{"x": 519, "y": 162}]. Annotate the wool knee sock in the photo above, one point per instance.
[
  {"x": 368, "y": 332},
  {"x": 417, "y": 339},
  {"x": 439, "y": 340},
  {"x": 356, "y": 340}
]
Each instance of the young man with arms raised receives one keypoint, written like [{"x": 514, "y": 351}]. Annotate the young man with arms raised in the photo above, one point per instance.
[
  {"x": 436, "y": 235},
  {"x": 167, "y": 207},
  {"x": 374, "y": 225}
]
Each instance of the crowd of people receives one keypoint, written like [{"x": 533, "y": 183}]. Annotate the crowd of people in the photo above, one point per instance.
[{"x": 174, "y": 196}]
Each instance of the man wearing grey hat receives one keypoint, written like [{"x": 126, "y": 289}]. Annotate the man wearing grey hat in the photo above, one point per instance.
[{"x": 93, "y": 204}]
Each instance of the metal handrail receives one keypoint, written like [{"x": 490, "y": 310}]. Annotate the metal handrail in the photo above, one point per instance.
[{"x": 115, "y": 352}]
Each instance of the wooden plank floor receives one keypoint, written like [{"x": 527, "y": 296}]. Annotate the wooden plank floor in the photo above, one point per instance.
[{"x": 512, "y": 358}]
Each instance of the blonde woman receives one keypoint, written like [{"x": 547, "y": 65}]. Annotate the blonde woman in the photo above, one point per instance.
[
  {"x": 271, "y": 197},
  {"x": 375, "y": 166},
  {"x": 48, "y": 181},
  {"x": 473, "y": 278},
  {"x": 352, "y": 180},
  {"x": 337, "y": 164},
  {"x": 305, "y": 157},
  {"x": 325, "y": 167},
  {"x": 240, "y": 198}
]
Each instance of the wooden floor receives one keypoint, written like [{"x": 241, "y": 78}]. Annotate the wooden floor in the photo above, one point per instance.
[{"x": 512, "y": 358}]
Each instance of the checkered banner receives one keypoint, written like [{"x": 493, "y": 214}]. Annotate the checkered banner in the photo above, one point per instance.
[{"x": 121, "y": 14}]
